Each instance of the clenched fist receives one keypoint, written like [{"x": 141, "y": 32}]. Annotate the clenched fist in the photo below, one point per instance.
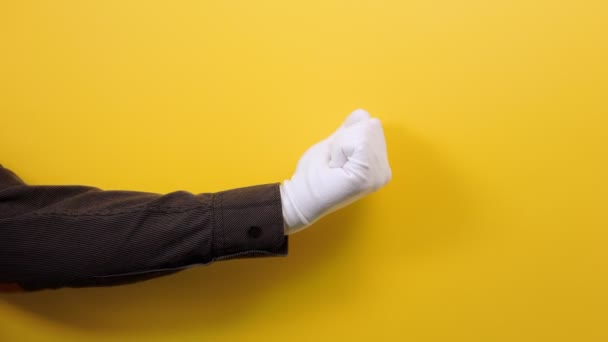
[{"x": 349, "y": 164}]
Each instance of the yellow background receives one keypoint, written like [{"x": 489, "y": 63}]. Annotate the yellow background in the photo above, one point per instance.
[{"x": 494, "y": 227}]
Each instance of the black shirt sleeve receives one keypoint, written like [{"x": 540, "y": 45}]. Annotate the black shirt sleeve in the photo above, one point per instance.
[{"x": 73, "y": 235}]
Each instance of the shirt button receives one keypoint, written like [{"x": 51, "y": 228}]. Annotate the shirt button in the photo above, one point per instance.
[{"x": 255, "y": 232}]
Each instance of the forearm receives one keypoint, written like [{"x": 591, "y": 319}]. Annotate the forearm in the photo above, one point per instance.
[{"x": 57, "y": 236}]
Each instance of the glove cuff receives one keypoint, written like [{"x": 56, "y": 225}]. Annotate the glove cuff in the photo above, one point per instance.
[{"x": 294, "y": 219}]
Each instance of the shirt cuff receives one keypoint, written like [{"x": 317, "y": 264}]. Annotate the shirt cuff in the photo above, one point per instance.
[{"x": 248, "y": 222}]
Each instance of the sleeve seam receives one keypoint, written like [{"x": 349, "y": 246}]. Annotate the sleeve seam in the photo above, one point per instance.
[
  {"x": 112, "y": 213},
  {"x": 164, "y": 210}
]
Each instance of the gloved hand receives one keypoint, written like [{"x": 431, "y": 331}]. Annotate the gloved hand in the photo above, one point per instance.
[{"x": 349, "y": 164}]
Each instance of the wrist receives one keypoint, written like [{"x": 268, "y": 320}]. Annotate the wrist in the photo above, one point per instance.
[{"x": 293, "y": 217}]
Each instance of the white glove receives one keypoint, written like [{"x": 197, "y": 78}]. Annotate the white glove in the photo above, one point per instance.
[{"x": 337, "y": 171}]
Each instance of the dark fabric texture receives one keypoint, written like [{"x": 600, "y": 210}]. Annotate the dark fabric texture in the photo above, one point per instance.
[{"x": 73, "y": 236}]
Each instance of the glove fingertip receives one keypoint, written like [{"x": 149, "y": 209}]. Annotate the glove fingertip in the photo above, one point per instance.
[{"x": 357, "y": 115}]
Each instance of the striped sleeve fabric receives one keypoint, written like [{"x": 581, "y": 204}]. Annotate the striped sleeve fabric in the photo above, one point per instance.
[{"x": 73, "y": 236}]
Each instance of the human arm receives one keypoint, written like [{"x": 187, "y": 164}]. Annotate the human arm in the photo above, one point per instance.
[{"x": 73, "y": 235}]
